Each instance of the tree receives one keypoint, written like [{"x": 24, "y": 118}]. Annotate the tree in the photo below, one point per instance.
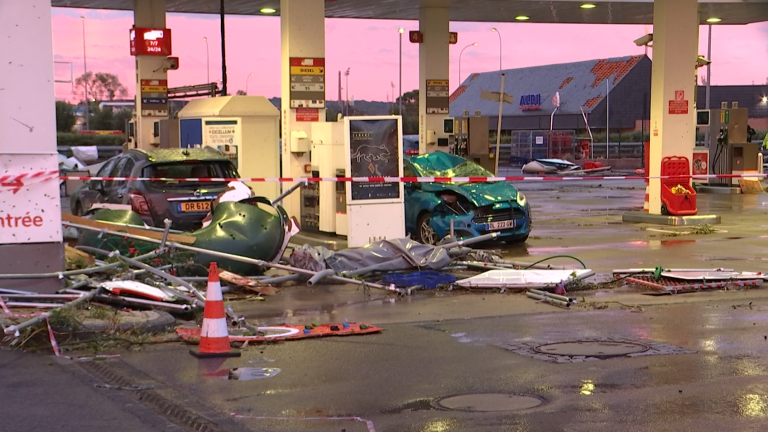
[
  {"x": 65, "y": 117},
  {"x": 101, "y": 86},
  {"x": 241, "y": 93}
]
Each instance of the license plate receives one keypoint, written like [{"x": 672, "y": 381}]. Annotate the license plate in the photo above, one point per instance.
[
  {"x": 195, "y": 206},
  {"x": 493, "y": 226}
]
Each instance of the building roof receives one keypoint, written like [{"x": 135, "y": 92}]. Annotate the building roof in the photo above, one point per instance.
[
  {"x": 540, "y": 11},
  {"x": 581, "y": 85},
  {"x": 233, "y": 106},
  {"x": 748, "y": 96}
]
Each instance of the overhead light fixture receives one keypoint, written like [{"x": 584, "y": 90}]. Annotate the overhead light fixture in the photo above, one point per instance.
[
  {"x": 765, "y": 99},
  {"x": 522, "y": 18},
  {"x": 401, "y": 30},
  {"x": 713, "y": 20},
  {"x": 588, "y": 6},
  {"x": 267, "y": 10}
]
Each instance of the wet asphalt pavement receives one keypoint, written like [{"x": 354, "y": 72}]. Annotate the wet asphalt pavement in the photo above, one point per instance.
[
  {"x": 438, "y": 345},
  {"x": 393, "y": 378}
]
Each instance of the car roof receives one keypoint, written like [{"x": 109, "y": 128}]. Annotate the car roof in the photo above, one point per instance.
[{"x": 179, "y": 154}]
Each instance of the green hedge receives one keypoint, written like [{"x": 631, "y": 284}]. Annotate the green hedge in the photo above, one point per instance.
[{"x": 71, "y": 139}]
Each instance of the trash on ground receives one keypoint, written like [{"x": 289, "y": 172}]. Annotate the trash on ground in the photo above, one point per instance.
[
  {"x": 137, "y": 289},
  {"x": 244, "y": 282},
  {"x": 429, "y": 279},
  {"x": 523, "y": 278},
  {"x": 251, "y": 373},
  {"x": 190, "y": 334}
]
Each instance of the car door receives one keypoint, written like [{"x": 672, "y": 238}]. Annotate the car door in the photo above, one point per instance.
[
  {"x": 111, "y": 187},
  {"x": 119, "y": 189},
  {"x": 94, "y": 191}
]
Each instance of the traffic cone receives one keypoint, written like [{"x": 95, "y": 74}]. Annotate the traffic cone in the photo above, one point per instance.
[{"x": 214, "y": 337}]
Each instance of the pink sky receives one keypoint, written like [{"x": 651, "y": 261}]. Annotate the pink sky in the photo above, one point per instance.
[{"x": 370, "y": 49}]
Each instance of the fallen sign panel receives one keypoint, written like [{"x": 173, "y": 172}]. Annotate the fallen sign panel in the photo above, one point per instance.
[
  {"x": 713, "y": 275},
  {"x": 523, "y": 278},
  {"x": 304, "y": 332},
  {"x": 673, "y": 286}
]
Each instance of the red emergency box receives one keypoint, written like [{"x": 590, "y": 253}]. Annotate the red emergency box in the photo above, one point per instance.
[{"x": 677, "y": 195}]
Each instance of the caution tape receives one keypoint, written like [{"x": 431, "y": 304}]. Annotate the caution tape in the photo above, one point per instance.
[
  {"x": 14, "y": 183},
  {"x": 413, "y": 179}
]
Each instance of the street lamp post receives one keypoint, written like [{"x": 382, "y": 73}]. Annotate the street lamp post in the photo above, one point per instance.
[
  {"x": 460, "y": 54},
  {"x": 401, "y": 31},
  {"x": 346, "y": 83},
  {"x": 246, "y": 82},
  {"x": 85, "y": 83},
  {"x": 207, "y": 61},
  {"x": 498, "y": 33}
]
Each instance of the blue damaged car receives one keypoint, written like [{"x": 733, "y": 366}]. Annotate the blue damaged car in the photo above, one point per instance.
[{"x": 474, "y": 208}]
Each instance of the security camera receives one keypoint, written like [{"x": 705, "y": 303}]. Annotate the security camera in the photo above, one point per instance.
[
  {"x": 645, "y": 40},
  {"x": 702, "y": 61}
]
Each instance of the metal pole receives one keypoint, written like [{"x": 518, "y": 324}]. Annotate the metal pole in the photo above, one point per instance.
[
  {"x": 500, "y": 51},
  {"x": 607, "y": 115},
  {"x": 207, "y": 61},
  {"x": 85, "y": 84},
  {"x": 401, "y": 72},
  {"x": 460, "y": 54},
  {"x": 498, "y": 125},
  {"x": 14, "y": 330},
  {"x": 709, "y": 66},
  {"x": 223, "y": 52}
]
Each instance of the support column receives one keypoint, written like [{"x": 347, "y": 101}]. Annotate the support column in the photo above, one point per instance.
[
  {"x": 675, "y": 50},
  {"x": 30, "y": 213},
  {"x": 434, "y": 25},
  {"x": 302, "y": 27},
  {"x": 149, "y": 14}
]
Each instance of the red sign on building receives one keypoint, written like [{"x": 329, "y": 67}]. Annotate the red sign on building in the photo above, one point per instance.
[
  {"x": 307, "y": 115},
  {"x": 679, "y": 105},
  {"x": 146, "y": 41}
]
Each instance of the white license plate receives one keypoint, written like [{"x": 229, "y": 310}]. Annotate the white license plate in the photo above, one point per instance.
[{"x": 494, "y": 226}]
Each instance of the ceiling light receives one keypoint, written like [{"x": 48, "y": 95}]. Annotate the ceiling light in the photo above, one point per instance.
[
  {"x": 588, "y": 6},
  {"x": 765, "y": 99},
  {"x": 267, "y": 10},
  {"x": 713, "y": 20},
  {"x": 522, "y": 18}
]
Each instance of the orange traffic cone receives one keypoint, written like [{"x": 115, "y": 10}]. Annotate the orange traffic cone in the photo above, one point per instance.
[{"x": 214, "y": 337}]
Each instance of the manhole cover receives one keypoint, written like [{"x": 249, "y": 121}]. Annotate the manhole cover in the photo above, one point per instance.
[
  {"x": 592, "y": 348},
  {"x": 489, "y": 402}
]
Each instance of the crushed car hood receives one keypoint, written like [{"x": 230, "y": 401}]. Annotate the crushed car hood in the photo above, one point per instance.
[{"x": 479, "y": 194}]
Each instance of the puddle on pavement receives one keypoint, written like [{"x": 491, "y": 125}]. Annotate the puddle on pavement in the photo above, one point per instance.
[{"x": 250, "y": 373}]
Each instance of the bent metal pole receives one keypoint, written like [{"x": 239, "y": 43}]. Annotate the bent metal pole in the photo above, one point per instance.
[{"x": 239, "y": 258}]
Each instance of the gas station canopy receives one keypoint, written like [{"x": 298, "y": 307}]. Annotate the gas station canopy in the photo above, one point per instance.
[{"x": 563, "y": 11}]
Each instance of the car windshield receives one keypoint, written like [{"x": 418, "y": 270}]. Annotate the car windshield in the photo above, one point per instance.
[
  {"x": 190, "y": 169},
  {"x": 445, "y": 165}
]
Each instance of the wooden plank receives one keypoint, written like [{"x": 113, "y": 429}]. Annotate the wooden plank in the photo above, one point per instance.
[
  {"x": 751, "y": 186},
  {"x": 247, "y": 283},
  {"x": 176, "y": 238}
]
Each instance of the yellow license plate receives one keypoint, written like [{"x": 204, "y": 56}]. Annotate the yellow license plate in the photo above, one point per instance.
[{"x": 196, "y": 206}]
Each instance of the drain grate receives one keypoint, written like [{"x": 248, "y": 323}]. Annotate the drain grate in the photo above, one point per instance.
[
  {"x": 489, "y": 402},
  {"x": 187, "y": 419},
  {"x": 592, "y": 349}
]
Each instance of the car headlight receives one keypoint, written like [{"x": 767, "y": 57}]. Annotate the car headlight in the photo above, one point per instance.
[{"x": 521, "y": 199}]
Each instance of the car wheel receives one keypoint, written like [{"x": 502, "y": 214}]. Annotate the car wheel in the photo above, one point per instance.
[
  {"x": 425, "y": 233},
  {"x": 78, "y": 210},
  {"x": 664, "y": 210}
]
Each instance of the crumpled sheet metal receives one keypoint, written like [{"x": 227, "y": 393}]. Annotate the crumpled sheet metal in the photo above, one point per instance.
[
  {"x": 389, "y": 255},
  {"x": 237, "y": 228}
]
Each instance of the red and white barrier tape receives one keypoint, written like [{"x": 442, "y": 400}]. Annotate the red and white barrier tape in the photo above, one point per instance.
[
  {"x": 14, "y": 183},
  {"x": 414, "y": 179}
]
